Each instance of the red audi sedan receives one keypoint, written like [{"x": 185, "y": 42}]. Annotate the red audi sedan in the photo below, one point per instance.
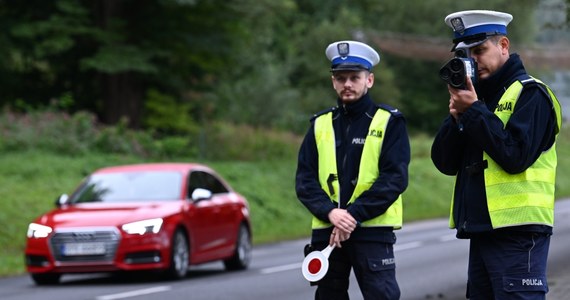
[{"x": 162, "y": 216}]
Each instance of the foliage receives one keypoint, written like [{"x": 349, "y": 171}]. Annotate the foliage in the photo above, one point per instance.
[
  {"x": 57, "y": 132},
  {"x": 172, "y": 65},
  {"x": 246, "y": 143},
  {"x": 107, "y": 54},
  {"x": 80, "y": 134},
  {"x": 165, "y": 115}
]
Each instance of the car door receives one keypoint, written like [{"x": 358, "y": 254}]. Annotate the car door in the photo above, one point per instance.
[
  {"x": 227, "y": 211},
  {"x": 205, "y": 226}
]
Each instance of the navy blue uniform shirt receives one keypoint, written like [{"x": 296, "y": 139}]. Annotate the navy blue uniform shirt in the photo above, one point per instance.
[
  {"x": 529, "y": 131},
  {"x": 351, "y": 123}
]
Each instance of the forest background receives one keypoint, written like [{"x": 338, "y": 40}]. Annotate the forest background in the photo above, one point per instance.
[{"x": 90, "y": 83}]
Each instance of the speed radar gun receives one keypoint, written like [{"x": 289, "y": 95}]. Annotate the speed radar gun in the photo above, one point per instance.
[
  {"x": 316, "y": 264},
  {"x": 455, "y": 71}
]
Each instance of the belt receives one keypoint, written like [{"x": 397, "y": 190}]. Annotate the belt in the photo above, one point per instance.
[{"x": 477, "y": 167}]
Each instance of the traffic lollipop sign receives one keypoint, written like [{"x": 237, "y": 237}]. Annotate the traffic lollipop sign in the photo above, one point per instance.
[{"x": 316, "y": 264}]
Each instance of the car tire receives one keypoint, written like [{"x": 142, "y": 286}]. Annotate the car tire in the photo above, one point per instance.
[
  {"x": 242, "y": 253},
  {"x": 179, "y": 256},
  {"x": 45, "y": 279}
]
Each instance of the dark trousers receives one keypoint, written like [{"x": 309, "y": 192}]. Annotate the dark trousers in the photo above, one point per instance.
[
  {"x": 374, "y": 267},
  {"x": 508, "y": 265}
]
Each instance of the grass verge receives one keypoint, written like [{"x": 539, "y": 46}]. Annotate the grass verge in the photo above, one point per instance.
[{"x": 31, "y": 181}]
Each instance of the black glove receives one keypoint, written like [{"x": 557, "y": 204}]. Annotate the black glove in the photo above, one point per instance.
[{"x": 308, "y": 249}]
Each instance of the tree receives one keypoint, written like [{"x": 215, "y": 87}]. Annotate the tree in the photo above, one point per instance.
[
  {"x": 109, "y": 53},
  {"x": 256, "y": 62}
]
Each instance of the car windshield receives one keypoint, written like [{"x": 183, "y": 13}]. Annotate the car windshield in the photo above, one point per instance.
[{"x": 129, "y": 187}]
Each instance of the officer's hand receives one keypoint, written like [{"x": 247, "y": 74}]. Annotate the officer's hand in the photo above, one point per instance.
[
  {"x": 452, "y": 111},
  {"x": 338, "y": 236},
  {"x": 461, "y": 99},
  {"x": 342, "y": 220}
]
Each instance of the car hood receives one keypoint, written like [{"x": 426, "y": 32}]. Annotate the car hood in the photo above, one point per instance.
[{"x": 101, "y": 214}]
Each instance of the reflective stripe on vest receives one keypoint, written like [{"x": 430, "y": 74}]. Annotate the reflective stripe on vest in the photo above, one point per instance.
[
  {"x": 368, "y": 170},
  {"x": 527, "y": 197}
]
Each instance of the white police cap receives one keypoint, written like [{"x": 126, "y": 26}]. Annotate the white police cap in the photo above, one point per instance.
[
  {"x": 351, "y": 56},
  {"x": 474, "y": 27}
]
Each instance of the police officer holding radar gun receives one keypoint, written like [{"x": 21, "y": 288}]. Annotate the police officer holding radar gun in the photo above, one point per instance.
[
  {"x": 352, "y": 169},
  {"x": 499, "y": 142}
]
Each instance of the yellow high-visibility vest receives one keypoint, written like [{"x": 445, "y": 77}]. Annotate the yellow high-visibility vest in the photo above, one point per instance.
[
  {"x": 527, "y": 197},
  {"x": 367, "y": 173}
]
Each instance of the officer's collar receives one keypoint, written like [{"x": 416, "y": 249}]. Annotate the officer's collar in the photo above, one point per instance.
[{"x": 358, "y": 107}]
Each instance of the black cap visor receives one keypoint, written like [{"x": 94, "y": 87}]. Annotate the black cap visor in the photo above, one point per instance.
[
  {"x": 349, "y": 67},
  {"x": 473, "y": 40}
]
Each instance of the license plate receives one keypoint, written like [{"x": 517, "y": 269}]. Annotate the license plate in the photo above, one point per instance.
[{"x": 74, "y": 249}]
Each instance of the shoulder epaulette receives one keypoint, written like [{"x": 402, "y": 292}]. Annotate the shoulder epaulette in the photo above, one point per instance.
[
  {"x": 394, "y": 111},
  {"x": 549, "y": 94},
  {"x": 325, "y": 111},
  {"x": 529, "y": 80}
]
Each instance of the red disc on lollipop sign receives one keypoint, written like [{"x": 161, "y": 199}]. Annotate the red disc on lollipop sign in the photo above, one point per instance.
[{"x": 316, "y": 264}]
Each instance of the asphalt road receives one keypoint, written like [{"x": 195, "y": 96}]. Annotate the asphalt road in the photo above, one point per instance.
[{"x": 431, "y": 264}]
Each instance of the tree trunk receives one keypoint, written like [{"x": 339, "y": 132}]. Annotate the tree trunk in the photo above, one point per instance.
[
  {"x": 122, "y": 98},
  {"x": 122, "y": 92}
]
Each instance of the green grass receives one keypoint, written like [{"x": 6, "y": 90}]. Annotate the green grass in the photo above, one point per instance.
[
  {"x": 32, "y": 180},
  {"x": 429, "y": 192}
]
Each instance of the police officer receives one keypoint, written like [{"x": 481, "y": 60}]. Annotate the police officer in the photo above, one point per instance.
[
  {"x": 352, "y": 169},
  {"x": 499, "y": 142}
]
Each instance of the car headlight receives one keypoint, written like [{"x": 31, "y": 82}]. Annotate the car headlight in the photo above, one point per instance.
[
  {"x": 38, "y": 231},
  {"x": 142, "y": 227}
]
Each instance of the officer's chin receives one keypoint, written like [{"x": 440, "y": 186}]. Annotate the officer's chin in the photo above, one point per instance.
[{"x": 348, "y": 98}]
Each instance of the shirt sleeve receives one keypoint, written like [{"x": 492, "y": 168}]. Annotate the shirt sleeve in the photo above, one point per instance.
[{"x": 447, "y": 147}]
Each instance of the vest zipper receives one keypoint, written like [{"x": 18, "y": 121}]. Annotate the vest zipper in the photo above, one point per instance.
[{"x": 346, "y": 146}]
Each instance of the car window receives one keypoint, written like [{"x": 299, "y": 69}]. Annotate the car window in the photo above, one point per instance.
[
  {"x": 195, "y": 181},
  {"x": 204, "y": 180},
  {"x": 129, "y": 187},
  {"x": 214, "y": 184}
]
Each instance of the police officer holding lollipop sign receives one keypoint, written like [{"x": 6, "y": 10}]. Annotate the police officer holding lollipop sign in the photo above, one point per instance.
[{"x": 352, "y": 169}]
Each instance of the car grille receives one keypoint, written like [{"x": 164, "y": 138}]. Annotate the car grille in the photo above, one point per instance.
[{"x": 90, "y": 245}]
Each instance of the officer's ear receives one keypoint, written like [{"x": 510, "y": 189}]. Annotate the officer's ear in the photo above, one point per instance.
[
  {"x": 504, "y": 43},
  {"x": 369, "y": 79}
]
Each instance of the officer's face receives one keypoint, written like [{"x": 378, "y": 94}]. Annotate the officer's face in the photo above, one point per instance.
[
  {"x": 490, "y": 56},
  {"x": 351, "y": 85}
]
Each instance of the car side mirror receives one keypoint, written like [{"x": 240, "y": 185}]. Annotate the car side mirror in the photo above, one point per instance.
[
  {"x": 201, "y": 194},
  {"x": 61, "y": 200}
]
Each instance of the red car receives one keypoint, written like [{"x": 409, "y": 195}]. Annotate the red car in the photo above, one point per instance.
[{"x": 163, "y": 216}]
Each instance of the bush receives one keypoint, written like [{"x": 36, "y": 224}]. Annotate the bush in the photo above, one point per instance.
[
  {"x": 80, "y": 134},
  {"x": 241, "y": 142},
  {"x": 53, "y": 131}
]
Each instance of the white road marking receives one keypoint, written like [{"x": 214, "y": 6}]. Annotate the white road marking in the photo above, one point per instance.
[
  {"x": 135, "y": 293},
  {"x": 281, "y": 268},
  {"x": 397, "y": 247},
  {"x": 407, "y": 246},
  {"x": 447, "y": 238}
]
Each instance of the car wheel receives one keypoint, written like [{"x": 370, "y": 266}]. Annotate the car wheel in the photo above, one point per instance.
[
  {"x": 242, "y": 254},
  {"x": 179, "y": 256},
  {"x": 46, "y": 279}
]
